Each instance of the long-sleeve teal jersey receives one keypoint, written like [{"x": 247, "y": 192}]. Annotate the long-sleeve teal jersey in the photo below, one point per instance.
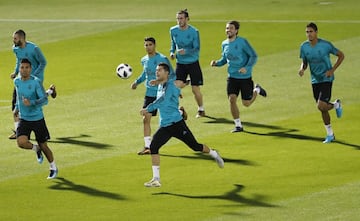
[
  {"x": 168, "y": 103},
  {"x": 149, "y": 72},
  {"x": 189, "y": 40},
  {"x": 32, "y": 90},
  {"x": 33, "y": 53},
  {"x": 318, "y": 58},
  {"x": 237, "y": 54}
]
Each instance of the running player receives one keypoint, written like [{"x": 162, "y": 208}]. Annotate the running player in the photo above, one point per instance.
[
  {"x": 185, "y": 47},
  {"x": 315, "y": 53},
  {"x": 240, "y": 57},
  {"x": 31, "y": 97}
]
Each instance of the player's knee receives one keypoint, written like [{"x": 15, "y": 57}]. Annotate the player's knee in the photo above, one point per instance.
[
  {"x": 154, "y": 150},
  {"x": 180, "y": 84},
  {"x": 198, "y": 147},
  {"x": 232, "y": 98},
  {"x": 322, "y": 106},
  {"x": 195, "y": 89},
  {"x": 21, "y": 142},
  {"x": 246, "y": 103}
]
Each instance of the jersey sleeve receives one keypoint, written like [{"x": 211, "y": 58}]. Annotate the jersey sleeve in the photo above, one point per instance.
[
  {"x": 195, "y": 44},
  {"x": 42, "y": 61},
  {"x": 17, "y": 63},
  {"x": 222, "y": 60},
  {"x": 251, "y": 53},
  {"x": 141, "y": 78},
  {"x": 172, "y": 41},
  {"x": 41, "y": 96},
  {"x": 172, "y": 75},
  {"x": 333, "y": 49}
]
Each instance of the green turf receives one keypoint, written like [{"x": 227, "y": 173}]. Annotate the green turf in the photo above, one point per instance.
[{"x": 277, "y": 170}]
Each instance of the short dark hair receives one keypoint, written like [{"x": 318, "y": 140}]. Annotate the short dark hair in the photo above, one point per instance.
[
  {"x": 21, "y": 33},
  {"x": 165, "y": 66},
  {"x": 25, "y": 61},
  {"x": 150, "y": 39},
  {"x": 184, "y": 12},
  {"x": 235, "y": 23},
  {"x": 312, "y": 25}
]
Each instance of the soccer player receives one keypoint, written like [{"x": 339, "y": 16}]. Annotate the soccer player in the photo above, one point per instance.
[
  {"x": 30, "y": 98},
  {"x": 171, "y": 123},
  {"x": 240, "y": 57},
  {"x": 315, "y": 53},
  {"x": 26, "y": 49},
  {"x": 149, "y": 63},
  {"x": 185, "y": 46}
]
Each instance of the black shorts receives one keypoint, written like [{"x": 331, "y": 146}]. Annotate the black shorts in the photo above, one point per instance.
[
  {"x": 184, "y": 70},
  {"x": 39, "y": 128},
  {"x": 178, "y": 130},
  {"x": 322, "y": 91},
  {"x": 148, "y": 100},
  {"x": 245, "y": 86}
]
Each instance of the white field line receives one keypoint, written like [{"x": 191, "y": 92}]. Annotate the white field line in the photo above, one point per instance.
[
  {"x": 165, "y": 20},
  {"x": 5, "y": 107}
]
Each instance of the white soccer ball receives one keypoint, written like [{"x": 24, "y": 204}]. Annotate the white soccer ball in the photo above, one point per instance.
[{"x": 124, "y": 71}]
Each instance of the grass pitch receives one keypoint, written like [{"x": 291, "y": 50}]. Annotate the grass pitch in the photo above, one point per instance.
[{"x": 278, "y": 169}]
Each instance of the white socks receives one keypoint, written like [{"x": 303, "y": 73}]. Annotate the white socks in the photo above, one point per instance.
[
  {"x": 329, "y": 130},
  {"x": 237, "y": 122},
  {"x": 35, "y": 147},
  {"x": 213, "y": 153},
  {"x": 16, "y": 125},
  {"x": 53, "y": 165},
  {"x": 156, "y": 172},
  {"x": 147, "y": 141}
]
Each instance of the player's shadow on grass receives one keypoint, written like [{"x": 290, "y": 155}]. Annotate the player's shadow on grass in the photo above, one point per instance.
[
  {"x": 214, "y": 120},
  {"x": 232, "y": 196},
  {"x": 347, "y": 144},
  {"x": 288, "y": 133},
  {"x": 282, "y": 132},
  {"x": 77, "y": 140},
  {"x": 206, "y": 157},
  {"x": 67, "y": 185}
]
